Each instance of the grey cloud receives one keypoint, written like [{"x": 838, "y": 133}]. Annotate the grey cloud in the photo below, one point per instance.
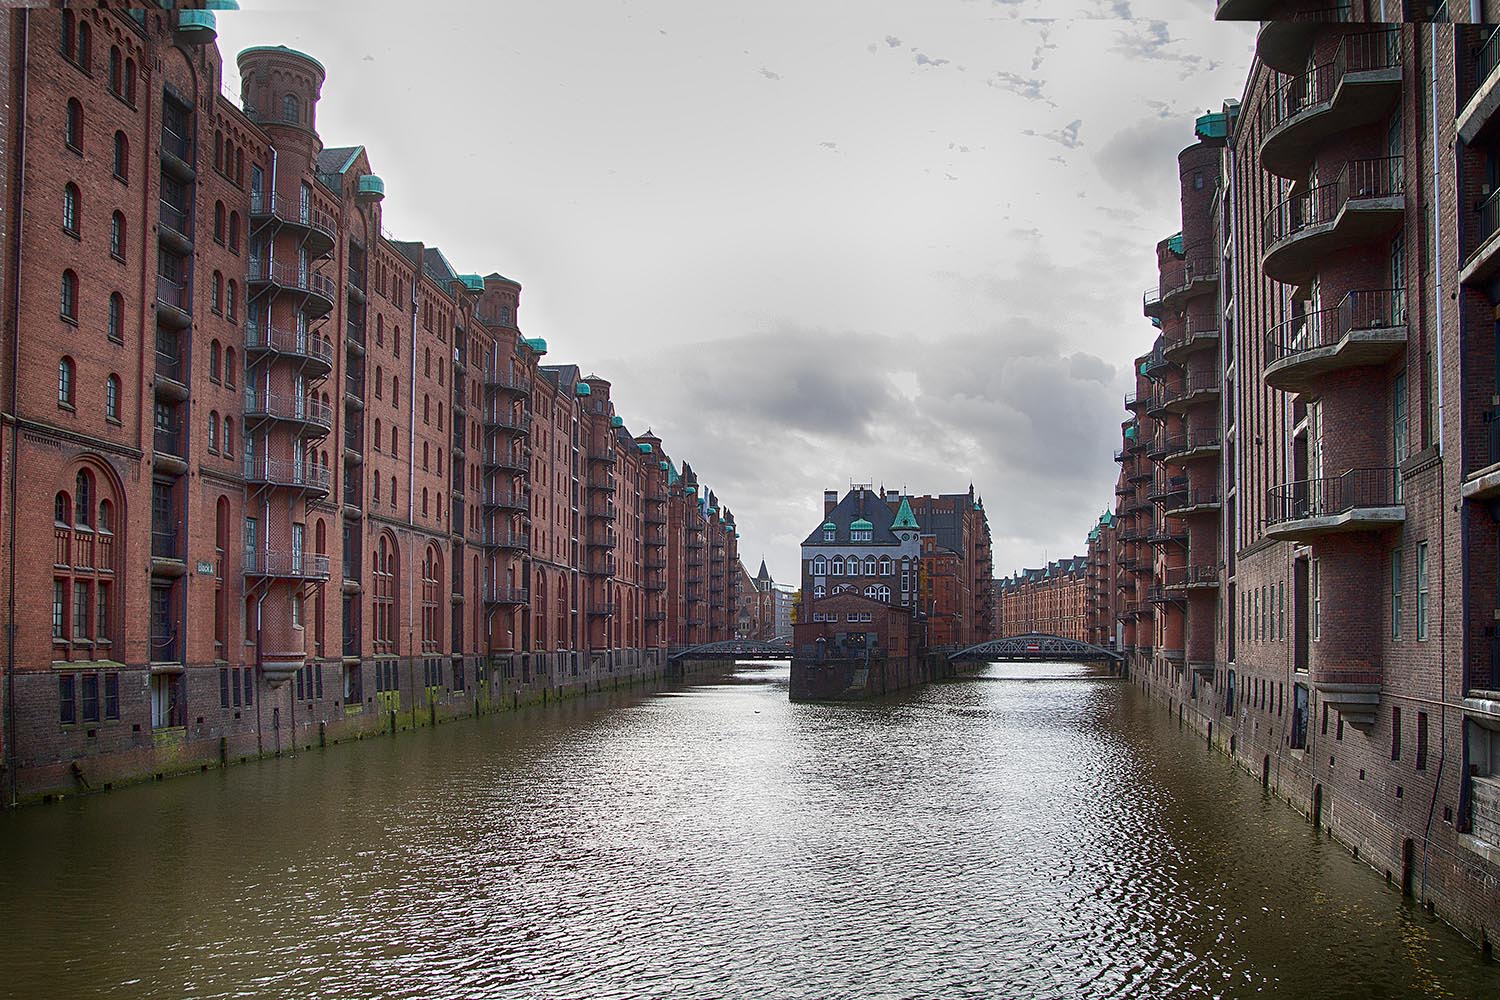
[
  {"x": 830, "y": 145},
  {"x": 893, "y": 41},
  {"x": 1135, "y": 159},
  {"x": 1027, "y": 87},
  {"x": 769, "y": 75},
  {"x": 1067, "y": 136},
  {"x": 925, "y": 60},
  {"x": 1153, "y": 40}
]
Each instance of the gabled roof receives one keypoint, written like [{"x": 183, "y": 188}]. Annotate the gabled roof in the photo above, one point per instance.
[
  {"x": 859, "y": 504},
  {"x": 337, "y": 159}
]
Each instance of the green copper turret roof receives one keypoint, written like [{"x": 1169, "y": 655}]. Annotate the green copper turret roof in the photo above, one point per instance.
[
  {"x": 904, "y": 517},
  {"x": 860, "y": 524}
]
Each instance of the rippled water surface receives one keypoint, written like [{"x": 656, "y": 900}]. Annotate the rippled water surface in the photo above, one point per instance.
[{"x": 1034, "y": 832}]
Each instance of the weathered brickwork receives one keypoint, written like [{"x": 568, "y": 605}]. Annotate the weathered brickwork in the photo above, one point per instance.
[
  {"x": 1305, "y": 531},
  {"x": 272, "y": 477}
]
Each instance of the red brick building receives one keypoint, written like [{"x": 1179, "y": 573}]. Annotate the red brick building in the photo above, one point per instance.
[
  {"x": 1306, "y": 510},
  {"x": 957, "y": 568},
  {"x": 304, "y": 479},
  {"x": 1052, "y": 600}
]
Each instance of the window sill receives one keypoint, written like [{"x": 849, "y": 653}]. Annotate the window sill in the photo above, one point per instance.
[
  {"x": 117, "y": 258},
  {"x": 78, "y": 150},
  {"x": 73, "y": 233},
  {"x": 122, "y": 179},
  {"x": 70, "y": 320},
  {"x": 114, "y": 421},
  {"x": 69, "y": 407}
]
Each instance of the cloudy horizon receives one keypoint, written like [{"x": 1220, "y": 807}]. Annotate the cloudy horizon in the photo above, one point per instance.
[{"x": 862, "y": 242}]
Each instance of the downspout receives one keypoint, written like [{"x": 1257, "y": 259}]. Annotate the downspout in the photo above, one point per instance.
[
  {"x": 15, "y": 433},
  {"x": 411, "y": 468},
  {"x": 1437, "y": 390}
]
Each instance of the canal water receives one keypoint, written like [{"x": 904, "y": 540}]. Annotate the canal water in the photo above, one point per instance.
[{"x": 1035, "y": 831}]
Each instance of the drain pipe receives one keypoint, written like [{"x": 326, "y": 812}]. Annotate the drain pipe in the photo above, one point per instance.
[{"x": 15, "y": 433}]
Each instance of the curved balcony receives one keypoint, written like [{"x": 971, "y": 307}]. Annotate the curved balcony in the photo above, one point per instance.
[
  {"x": 311, "y": 414},
  {"x": 1194, "y": 445},
  {"x": 1195, "y": 273},
  {"x": 499, "y": 594},
  {"x": 505, "y": 538},
  {"x": 505, "y": 462},
  {"x": 1483, "y": 263},
  {"x": 603, "y": 512},
  {"x": 173, "y": 304},
  {"x": 1284, "y": 42},
  {"x": 1199, "y": 335},
  {"x": 1358, "y": 500},
  {"x": 1358, "y": 86},
  {"x": 603, "y": 457},
  {"x": 265, "y": 471},
  {"x": 1365, "y": 203},
  {"x": 506, "y": 422},
  {"x": 286, "y": 565},
  {"x": 1243, "y": 10},
  {"x": 1366, "y": 328},
  {"x": 1151, "y": 302},
  {"x": 1162, "y": 534},
  {"x": 314, "y": 351},
  {"x": 317, "y": 289},
  {"x": 1351, "y": 690},
  {"x": 507, "y": 499},
  {"x": 320, "y": 231},
  {"x": 604, "y": 485},
  {"x": 508, "y": 382},
  {"x": 1191, "y": 502},
  {"x": 1198, "y": 387}
]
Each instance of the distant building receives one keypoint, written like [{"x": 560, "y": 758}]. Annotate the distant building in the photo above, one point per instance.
[{"x": 1052, "y": 600}]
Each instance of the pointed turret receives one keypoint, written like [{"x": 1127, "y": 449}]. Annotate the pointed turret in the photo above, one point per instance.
[{"x": 904, "y": 517}]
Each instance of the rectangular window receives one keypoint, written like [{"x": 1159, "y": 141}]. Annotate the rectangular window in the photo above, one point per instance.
[
  {"x": 1281, "y": 610},
  {"x": 90, "y": 699},
  {"x": 234, "y": 687},
  {"x": 112, "y": 695},
  {"x": 67, "y": 704},
  {"x": 1421, "y": 741},
  {"x": 249, "y": 686},
  {"x": 80, "y": 610},
  {"x": 1396, "y": 594},
  {"x": 101, "y": 613},
  {"x": 301, "y": 696},
  {"x": 223, "y": 687},
  {"x": 1422, "y": 591},
  {"x": 1317, "y": 602},
  {"x": 58, "y": 604},
  {"x": 1395, "y": 733},
  {"x": 317, "y": 669}
]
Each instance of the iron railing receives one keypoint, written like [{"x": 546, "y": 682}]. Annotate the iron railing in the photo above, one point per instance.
[
  {"x": 290, "y": 276},
  {"x": 259, "y": 337},
  {"x": 1357, "y": 53},
  {"x": 501, "y": 594},
  {"x": 175, "y": 218},
  {"x": 288, "y": 406},
  {"x": 298, "y": 565},
  {"x": 1331, "y": 496},
  {"x": 1357, "y": 310},
  {"x": 269, "y": 203},
  {"x": 281, "y": 472},
  {"x": 1377, "y": 177}
]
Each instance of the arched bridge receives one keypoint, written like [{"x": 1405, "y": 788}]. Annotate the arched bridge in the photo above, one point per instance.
[
  {"x": 737, "y": 649},
  {"x": 1037, "y": 646}
]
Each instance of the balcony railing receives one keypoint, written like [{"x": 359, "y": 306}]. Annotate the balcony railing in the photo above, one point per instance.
[
  {"x": 1378, "y": 177},
  {"x": 169, "y": 364},
  {"x": 269, "y": 204},
  {"x": 603, "y": 511},
  {"x": 292, "y": 277},
  {"x": 175, "y": 218},
  {"x": 508, "y": 499},
  {"x": 293, "y": 342},
  {"x": 168, "y": 441},
  {"x": 293, "y": 565},
  {"x": 1200, "y": 262},
  {"x": 501, "y": 594},
  {"x": 1359, "y": 310},
  {"x": 287, "y": 406},
  {"x": 1356, "y": 53},
  {"x": 281, "y": 472},
  {"x": 166, "y": 543},
  {"x": 179, "y": 146},
  {"x": 504, "y": 538},
  {"x": 509, "y": 382},
  {"x": 1332, "y": 496},
  {"x": 169, "y": 292},
  {"x": 1191, "y": 576},
  {"x": 507, "y": 421}
]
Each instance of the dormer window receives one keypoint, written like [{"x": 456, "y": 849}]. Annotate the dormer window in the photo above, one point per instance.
[
  {"x": 859, "y": 536},
  {"x": 828, "y": 534}
]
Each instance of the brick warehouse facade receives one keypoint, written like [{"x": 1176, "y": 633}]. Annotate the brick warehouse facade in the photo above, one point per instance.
[
  {"x": 1053, "y": 600},
  {"x": 305, "y": 481},
  {"x": 1307, "y": 521}
]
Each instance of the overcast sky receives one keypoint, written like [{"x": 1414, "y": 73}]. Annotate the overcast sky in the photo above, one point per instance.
[{"x": 809, "y": 243}]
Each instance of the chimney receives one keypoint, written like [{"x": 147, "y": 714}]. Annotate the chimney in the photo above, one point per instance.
[{"x": 830, "y": 501}]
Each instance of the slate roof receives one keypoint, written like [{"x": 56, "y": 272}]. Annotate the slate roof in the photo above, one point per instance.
[
  {"x": 337, "y": 159},
  {"x": 858, "y": 503}
]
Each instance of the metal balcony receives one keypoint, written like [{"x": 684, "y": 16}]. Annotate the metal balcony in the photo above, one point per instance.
[
  {"x": 174, "y": 308},
  {"x": 603, "y": 512},
  {"x": 603, "y": 610},
  {"x": 520, "y": 385},
  {"x": 1195, "y": 273},
  {"x": 285, "y": 565},
  {"x": 311, "y": 414},
  {"x": 306, "y": 476},
  {"x": 1191, "y": 578},
  {"x": 604, "y": 457},
  {"x": 318, "y": 290},
  {"x": 171, "y": 382},
  {"x": 505, "y": 538},
  {"x": 1358, "y": 86},
  {"x": 1151, "y": 302},
  {"x": 499, "y": 594},
  {"x": 319, "y": 228},
  {"x": 1200, "y": 334},
  {"x": 174, "y": 228},
  {"x": 506, "y": 421},
  {"x": 494, "y": 458},
  {"x": 1197, "y": 444},
  {"x": 1187, "y": 503},
  {"x": 507, "y": 499},
  {"x": 1366, "y": 328},
  {"x": 314, "y": 351},
  {"x": 1484, "y": 261},
  {"x": 1357, "y": 500},
  {"x": 1286, "y": 39},
  {"x": 1365, "y": 203}
]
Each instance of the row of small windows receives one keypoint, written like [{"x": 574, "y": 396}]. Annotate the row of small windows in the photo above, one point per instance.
[
  {"x": 77, "y": 48},
  {"x": 876, "y": 591},
  {"x": 228, "y": 160},
  {"x": 73, "y": 137},
  {"x": 216, "y": 444},
  {"x": 852, "y": 616},
  {"x": 226, "y": 234},
  {"x": 67, "y": 377},
  {"x": 838, "y": 566}
]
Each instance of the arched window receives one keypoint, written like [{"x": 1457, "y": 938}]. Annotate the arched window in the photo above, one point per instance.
[
  {"x": 376, "y": 488},
  {"x": 440, "y": 414},
  {"x": 219, "y": 222},
  {"x": 231, "y": 301},
  {"x": 85, "y": 58},
  {"x": 62, "y": 509},
  {"x": 112, "y": 398},
  {"x": 379, "y": 382},
  {"x": 239, "y": 167},
  {"x": 395, "y": 390},
  {"x": 385, "y": 591},
  {"x": 820, "y": 566},
  {"x": 115, "y": 330},
  {"x": 379, "y": 331},
  {"x": 72, "y": 205},
  {"x": 218, "y": 149},
  {"x": 377, "y": 448},
  {"x": 291, "y": 109},
  {"x": 117, "y": 236},
  {"x": 393, "y": 492},
  {"x": 836, "y": 566},
  {"x": 69, "y": 35},
  {"x": 213, "y": 431},
  {"x": 228, "y": 157},
  {"x": 229, "y": 363},
  {"x": 426, "y": 409},
  {"x": 65, "y": 382},
  {"x": 424, "y": 456},
  {"x": 886, "y": 565},
  {"x": 83, "y": 499},
  {"x": 394, "y": 452},
  {"x": 106, "y": 523},
  {"x": 819, "y": 590},
  {"x": 74, "y": 134},
  {"x": 228, "y": 437},
  {"x": 122, "y": 156},
  {"x": 871, "y": 566},
  {"x": 427, "y": 361},
  {"x": 440, "y": 472},
  {"x": 217, "y": 303},
  {"x": 215, "y": 358},
  {"x": 234, "y": 232},
  {"x": 424, "y": 501},
  {"x": 130, "y": 81},
  {"x": 116, "y": 71}
]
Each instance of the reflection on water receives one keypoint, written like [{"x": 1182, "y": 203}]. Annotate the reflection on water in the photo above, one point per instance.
[{"x": 1039, "y": 832}]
